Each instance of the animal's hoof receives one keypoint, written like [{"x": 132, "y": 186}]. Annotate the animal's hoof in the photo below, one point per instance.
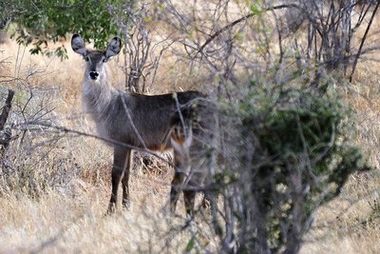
[
  {"x": 172, "y": 211},
  {"x": 126, "y": 205},
  {"x": 111, "y": 209}
]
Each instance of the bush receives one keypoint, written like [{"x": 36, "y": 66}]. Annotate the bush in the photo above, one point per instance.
[
  {"x": 293, "y": 156},
  {"x": 42, "y": 22}
]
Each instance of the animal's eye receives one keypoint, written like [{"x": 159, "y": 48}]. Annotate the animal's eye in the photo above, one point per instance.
[
  {"x": 86, "y": 58},
  {"x": 105, "y": 59}
]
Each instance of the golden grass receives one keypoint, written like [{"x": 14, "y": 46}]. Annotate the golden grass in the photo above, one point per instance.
[{"x": 57, "y": 223}]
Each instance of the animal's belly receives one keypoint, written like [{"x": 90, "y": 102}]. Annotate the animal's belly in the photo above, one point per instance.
[
  {"x": 158, "y": 147},
  {"x": 160, "y": 143}
]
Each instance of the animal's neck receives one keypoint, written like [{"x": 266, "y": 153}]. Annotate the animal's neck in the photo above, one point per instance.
[{"x": 97, "y": 97}]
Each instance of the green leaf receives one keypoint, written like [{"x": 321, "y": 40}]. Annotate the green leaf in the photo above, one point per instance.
[
  {"x": 256, "y": 9},
  {"x": 190, "y": 244}
]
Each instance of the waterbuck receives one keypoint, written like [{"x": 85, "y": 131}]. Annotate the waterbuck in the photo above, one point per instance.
[{"x": 156, "y": 123}]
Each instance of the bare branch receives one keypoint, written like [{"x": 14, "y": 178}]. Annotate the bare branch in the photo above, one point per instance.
[
  {"x": 26, "y": 126},
  {"x": 363, "y": 40}
]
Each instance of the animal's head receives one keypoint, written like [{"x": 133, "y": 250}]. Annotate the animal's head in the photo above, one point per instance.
[{"x": 95, "y": 59}]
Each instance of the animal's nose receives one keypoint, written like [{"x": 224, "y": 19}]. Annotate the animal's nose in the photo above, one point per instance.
[{"x": 94, "y": 75}]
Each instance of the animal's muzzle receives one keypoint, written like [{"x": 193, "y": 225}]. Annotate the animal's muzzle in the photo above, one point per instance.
[{"x": 94, "y": 75}]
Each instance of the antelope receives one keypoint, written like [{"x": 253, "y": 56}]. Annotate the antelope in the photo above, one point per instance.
[{"x": 175, "y": 121}]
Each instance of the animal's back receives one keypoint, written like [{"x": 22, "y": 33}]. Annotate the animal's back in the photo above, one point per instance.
[{"x": 134, "y": 118}]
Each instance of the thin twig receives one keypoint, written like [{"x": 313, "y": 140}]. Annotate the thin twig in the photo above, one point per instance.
[
  {"x": 25, "y": 126},
  {"x": 237, "y": 21}
]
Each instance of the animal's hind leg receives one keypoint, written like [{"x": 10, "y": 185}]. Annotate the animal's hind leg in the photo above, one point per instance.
[
  {"x": 119, "y": 159},
  {"x": 180, "y": 143},
  {"x": 176, "y": 189},
  {"x": 125, "y": 179},
  {"x": 189, "y": 197},
  {"x": 212, "y": 197}
]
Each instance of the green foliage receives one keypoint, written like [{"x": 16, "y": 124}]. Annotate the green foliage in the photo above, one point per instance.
[
  {"x": 256, "y": 8},
  {"x": 190, "y": 245},
  {"x": 297, "y": 155},
  {"x": 39, "y": 22}
]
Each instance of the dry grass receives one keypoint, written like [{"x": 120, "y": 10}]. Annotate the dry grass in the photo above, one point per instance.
[
  {"x": 69, "y": 217},
  {"x": 56, "y": 222},
  {"x": 60, "y": 223}
]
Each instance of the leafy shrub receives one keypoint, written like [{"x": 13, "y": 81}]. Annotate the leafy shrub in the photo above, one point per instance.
[
  {"x": 294, "y": 155},
  {"x": 40, "y": 22}
]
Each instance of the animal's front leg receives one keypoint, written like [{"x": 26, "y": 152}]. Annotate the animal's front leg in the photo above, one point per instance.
[
  {"x": 119, "y": 163},
  {"x": 125, "y": 201}
]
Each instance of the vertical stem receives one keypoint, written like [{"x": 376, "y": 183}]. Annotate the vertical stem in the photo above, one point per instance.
[
  {"x": 6, "y": 109},
  {"x": 127, "y": 85},
  {"x": 363, "y": 40},
  {"x": 5, "y": 139}
]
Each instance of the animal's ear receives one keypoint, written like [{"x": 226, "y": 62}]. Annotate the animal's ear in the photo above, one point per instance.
[
  {"x": 113, "y": 47},
  {"x": 77, "y": 44}
]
